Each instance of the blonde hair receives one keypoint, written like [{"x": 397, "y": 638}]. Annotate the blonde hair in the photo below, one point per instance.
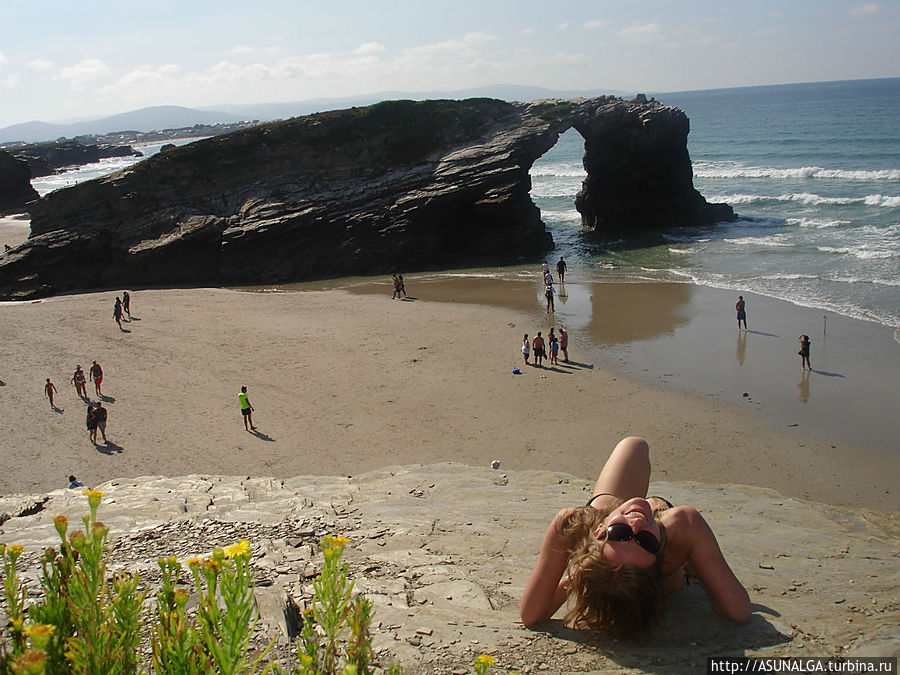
[{"x": 623, "y": 600}]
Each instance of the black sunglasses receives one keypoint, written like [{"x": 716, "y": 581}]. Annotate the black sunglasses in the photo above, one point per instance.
[{"x": 644, "y": 539}]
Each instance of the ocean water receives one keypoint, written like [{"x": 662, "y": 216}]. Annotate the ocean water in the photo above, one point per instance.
[
  {"x": 813, "y": 171},
  {"x": 46, "y": 184}
]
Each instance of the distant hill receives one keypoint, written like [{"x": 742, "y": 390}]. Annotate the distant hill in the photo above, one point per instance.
[
  {"x": 145, "y": 119},
  {"x": 173, "y": 117}
]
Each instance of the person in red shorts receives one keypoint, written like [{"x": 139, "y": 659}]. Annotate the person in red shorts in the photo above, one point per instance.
[{"x": 96, "y": 374}]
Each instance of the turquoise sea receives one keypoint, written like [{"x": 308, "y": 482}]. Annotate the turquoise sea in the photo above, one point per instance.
[{"x": 813, "y": 170}]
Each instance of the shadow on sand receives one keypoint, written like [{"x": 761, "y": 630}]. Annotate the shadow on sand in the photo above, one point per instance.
[
  {"x": 109, "y": 448},
  {"x": 261, "y": 436}
]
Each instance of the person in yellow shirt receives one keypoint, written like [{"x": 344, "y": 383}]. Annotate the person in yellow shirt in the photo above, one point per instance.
[{"x": 246, "y": 410}]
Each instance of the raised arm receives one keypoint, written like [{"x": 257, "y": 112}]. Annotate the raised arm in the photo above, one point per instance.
[
  {"x": 694, "y": 539},
  {"x": 546, "y": 589}
]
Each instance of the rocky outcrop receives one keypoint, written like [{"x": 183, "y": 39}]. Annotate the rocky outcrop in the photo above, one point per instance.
[
  {"x": 45, "y": 158},
  {"x": 444, "y": 552},
  {"x": 399, "y": 185},
  {"x": 15, "y": 184}
]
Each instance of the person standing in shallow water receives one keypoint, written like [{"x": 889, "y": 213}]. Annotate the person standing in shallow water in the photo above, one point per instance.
[
  {"x": 561, "y": 270},
  {"x": 804, "y": 352},
  {"x": 740, "y": 306},
  {"x": 246, "y": 410}
]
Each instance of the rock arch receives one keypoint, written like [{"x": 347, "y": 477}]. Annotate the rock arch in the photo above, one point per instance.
[{"x": 400, "y": 185}]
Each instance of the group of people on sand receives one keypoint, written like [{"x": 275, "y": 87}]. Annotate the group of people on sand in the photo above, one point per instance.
[
  {"x": 548, "y": 348},
  {"x": 548, "y": 281},
  {"x": 399, "y": 286},
  {"x": 741, "y": 307},
  {"x": 97, "y": 415},
  {"x": 122, "y": 306}
]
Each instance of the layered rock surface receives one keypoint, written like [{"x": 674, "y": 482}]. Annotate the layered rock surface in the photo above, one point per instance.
[
  {"x": 445, "y": 550},
  {"x": 399, "y": 185},
  {"x": 15, "y": 184}
]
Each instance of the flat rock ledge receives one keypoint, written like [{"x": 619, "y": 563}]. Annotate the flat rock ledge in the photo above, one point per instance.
[{"x": 444, "y": 551}]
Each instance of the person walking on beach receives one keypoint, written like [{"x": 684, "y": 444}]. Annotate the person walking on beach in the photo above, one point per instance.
[
  {"x": 80, "y": 382},
  {"x": 804, "y": 352},
  {"x": 117, "y": 313},
  {"x": 49, "y": 390},
  {"x": 90, "y": 422},
  {"x": 526, "y": 348},
  {"x": 537, "y": 346},
  {"x": 96, "y": 374},
  {"x": 561, "y": 270},
  {"x": 548, "y": 293},
  {"x": 402, "y": 285},
  {"x": 545, "y": 270},
  {"x": 740, "y": 306},
  {"x": 246, "y": 410},
  {"x": 101, "y": 413},
  {"x": 564, "y": 343},
  {"x": 395, "y": 280},
  {"x": 126, "y": 304}
]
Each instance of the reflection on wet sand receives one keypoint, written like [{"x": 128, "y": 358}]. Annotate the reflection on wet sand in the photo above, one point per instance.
[{"x": 625, "y": 313}]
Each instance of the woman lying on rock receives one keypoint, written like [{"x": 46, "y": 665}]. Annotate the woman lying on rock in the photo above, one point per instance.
[{"x": 623, "y": 554}]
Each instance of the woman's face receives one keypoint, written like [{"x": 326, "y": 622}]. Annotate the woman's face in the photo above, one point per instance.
[{"x": 637, "y": 514}]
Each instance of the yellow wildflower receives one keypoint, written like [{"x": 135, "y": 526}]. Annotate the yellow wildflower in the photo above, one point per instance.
[
  {"x": 32, "y": 662},
  {"x": 181, "y": 596},
  {"x": 484, "y": 660},
  {"x": 61, "y": 523},
  {"x": 339, "y": 542},
  {"x": 240, "y": 549},
  {"x": 193, "y": 562},
  {"x": 40, "y": 634}
]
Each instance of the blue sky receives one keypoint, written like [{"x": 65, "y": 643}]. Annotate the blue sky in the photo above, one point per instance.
[{"x": 66, "y": 60}]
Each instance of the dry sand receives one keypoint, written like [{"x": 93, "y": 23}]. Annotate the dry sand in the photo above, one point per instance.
[{"x": 345, "y": 383}]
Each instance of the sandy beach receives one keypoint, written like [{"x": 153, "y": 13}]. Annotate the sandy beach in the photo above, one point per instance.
[{"x": 347, "y": 382}]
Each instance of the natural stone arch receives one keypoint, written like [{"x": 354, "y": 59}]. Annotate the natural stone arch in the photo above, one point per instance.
[{"x": 400, "y": 185}]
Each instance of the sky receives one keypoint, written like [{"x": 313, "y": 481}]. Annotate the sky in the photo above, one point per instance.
[{"x": 64, "y": 61}]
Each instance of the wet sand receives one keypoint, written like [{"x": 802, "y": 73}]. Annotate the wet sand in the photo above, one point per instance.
[{"x": 346, "y": 382}]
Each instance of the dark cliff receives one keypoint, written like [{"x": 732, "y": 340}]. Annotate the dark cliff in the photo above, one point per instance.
[
  {"x": 15, "y": 184},
  {"x": 398, "y": 185},
  {"x": 45, "y": 158}
]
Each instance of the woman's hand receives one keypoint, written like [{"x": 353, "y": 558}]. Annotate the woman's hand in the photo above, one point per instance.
[{"x": 546, "y": 590}]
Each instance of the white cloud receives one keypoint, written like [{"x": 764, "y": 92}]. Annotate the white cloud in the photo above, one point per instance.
[
  {"x": 86, "y": 70},
  {"x": 648, "y": 32},
  {"x": 39, "y": 64},
  {"x": 11, "y": 81},
  {"x": 596, "y": 23},
  {"x": 466, "y": 43},
  {"x": 3, "y": 59},
  {"x": 562, "y": 26},
  {"x": 869, "y": 9},
  {"x": 369, "y": 48},
  {"x": 528, "y": 31}
]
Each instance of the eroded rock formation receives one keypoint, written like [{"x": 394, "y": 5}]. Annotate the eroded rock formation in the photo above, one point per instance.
[
  {"x": 45, "y": 158},
  {"x": 400, "y": 185},
  {"x": 15, "y": 184}
]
